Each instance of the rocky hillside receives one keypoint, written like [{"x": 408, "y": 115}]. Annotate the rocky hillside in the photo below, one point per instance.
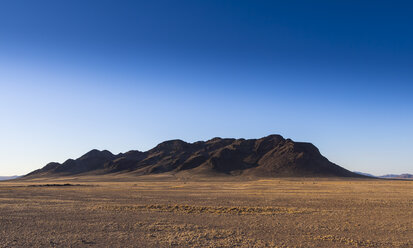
[{"x": 271, "y": 156}]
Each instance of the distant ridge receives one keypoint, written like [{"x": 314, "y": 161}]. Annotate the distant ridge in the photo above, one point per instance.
[
  {"x": 395, "y": 176},
  {"x": 8, "y": 178},
  {"x": 388, "y": 176},
  {"x": 271, "y": 156}
]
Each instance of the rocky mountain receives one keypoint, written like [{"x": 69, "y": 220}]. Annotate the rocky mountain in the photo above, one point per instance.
[{"x": 271, "y": 156}]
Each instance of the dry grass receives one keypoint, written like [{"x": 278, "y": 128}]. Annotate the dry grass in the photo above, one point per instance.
[
  {"x": 203, "y": 209},
  {"x": 166, "y": 211}
]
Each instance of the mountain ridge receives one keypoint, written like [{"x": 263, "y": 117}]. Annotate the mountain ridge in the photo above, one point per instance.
[
  {"x": 398, "y": 176},
  {"x": 387, "y": 176},
  {"x": 4, "y": 178},
  {"x": 270, "y": 156}
]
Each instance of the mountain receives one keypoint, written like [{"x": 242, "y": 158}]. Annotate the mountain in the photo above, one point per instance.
[
  {"x": 401, "y": 176},
  {"x": 8, "y": 178},
  {"x": 271, "y": 156}
]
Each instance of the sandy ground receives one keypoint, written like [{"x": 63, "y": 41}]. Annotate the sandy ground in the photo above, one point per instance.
[{"x": 168, "y": 212}]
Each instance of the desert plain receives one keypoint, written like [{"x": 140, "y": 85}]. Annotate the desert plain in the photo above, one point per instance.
[{"x": 169, "y": 211}]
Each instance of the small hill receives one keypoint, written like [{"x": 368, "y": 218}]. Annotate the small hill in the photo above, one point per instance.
[{"x": 271, "y": 156}]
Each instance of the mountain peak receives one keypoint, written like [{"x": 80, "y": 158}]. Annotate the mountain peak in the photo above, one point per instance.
[
  {"x": 172, "y": 145},
  {"x": 97, "y": 153}
]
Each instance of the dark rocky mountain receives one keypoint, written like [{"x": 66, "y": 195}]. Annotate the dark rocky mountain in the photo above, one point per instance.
[{"x": 271, "y": 156}]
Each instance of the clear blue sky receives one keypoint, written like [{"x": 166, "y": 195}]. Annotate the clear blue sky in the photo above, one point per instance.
[{"x": 122, "y": 75}]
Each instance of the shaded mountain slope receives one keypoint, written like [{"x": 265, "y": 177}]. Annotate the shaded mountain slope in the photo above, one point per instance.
[
  {"x": 269, "y": 156},
  {"x": 365, "y": 174}
]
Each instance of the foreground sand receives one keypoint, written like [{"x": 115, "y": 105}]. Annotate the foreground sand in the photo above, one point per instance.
[{"x": 165, "y": 212}]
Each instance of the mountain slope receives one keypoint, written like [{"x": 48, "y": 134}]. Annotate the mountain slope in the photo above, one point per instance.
[
  {"x": 269, "y": 156},
  {"x": 365, "y": 174}
]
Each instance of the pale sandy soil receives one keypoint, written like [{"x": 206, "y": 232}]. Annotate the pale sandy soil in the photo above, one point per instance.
[{"x": 168, "y": 212}]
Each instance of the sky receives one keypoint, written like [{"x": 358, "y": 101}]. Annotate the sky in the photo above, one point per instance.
[{"x": 127, "y": 75}]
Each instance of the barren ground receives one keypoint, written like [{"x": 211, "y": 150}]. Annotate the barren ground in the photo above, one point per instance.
[{"x": 219, "y": 212}]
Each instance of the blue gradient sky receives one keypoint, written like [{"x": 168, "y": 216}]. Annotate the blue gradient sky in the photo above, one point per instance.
[{"x": 122, "y": 75}]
